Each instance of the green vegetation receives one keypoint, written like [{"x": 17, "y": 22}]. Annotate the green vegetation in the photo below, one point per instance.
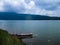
[
  {"x": 15, "y": 16},
  {"x": 7, "y": 39}
]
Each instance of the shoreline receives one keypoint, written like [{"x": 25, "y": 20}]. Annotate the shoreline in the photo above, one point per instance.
[{"x": 7, "y": 39}]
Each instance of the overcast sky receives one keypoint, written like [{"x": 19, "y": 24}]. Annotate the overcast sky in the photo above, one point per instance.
[{"x": 42, "y": 7}]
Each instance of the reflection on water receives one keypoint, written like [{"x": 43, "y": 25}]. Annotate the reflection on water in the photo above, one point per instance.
[{"x": 44, "y": 32}]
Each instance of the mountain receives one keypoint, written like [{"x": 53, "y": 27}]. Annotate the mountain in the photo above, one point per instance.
[{"x": 15, "y": 16}]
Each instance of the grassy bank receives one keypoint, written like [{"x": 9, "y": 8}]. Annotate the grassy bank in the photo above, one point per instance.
[{"x": 7, "y": 39}]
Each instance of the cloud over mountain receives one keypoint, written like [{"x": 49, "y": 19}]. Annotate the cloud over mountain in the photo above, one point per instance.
[{"x": 42, "y": 7}]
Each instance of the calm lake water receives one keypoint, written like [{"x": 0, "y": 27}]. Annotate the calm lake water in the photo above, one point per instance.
[{"x": 45, "y": 32}]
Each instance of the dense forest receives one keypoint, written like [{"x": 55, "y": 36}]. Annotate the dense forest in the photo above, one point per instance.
[{"x": 15, "y": 16}]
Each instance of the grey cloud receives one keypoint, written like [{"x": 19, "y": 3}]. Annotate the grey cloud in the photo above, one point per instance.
[
  {"x": 47, "y": 6},
  {"x": 10, "y": 8}
]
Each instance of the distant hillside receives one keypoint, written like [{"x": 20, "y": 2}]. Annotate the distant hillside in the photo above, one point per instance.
[{"x": 15, "y": 16}]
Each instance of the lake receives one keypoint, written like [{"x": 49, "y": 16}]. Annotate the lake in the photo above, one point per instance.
[{"x": 45, "y": 32}]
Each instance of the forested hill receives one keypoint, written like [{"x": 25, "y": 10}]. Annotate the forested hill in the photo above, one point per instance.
[{"x": 15, "y": 16}]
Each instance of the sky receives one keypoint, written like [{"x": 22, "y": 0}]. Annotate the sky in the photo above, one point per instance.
[{"x": 41, "y": 7}]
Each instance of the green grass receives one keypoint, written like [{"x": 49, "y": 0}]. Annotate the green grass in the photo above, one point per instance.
[{"x": 7, "y": 39}]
